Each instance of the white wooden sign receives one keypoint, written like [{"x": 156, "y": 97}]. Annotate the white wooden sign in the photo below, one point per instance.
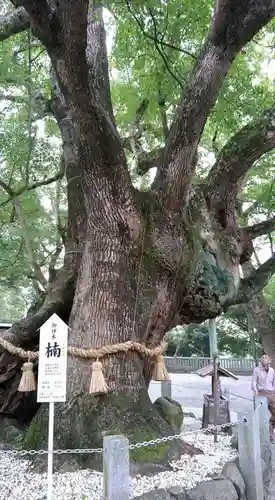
[{"x": 52, "y": 362}]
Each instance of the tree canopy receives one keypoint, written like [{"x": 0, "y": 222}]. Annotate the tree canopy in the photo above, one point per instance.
[{"x": 152, "y": 48}]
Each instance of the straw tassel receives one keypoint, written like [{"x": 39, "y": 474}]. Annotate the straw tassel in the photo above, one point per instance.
[
  {"x": 27, "y": 382},
  {"x": 98, "y": 384},
  {"x": 159, "y": 370}
]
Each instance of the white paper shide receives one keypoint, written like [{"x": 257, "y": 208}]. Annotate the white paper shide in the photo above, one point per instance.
[{"x": 52, "y": 365}]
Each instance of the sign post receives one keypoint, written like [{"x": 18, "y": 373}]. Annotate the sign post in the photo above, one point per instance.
[{"x": 52, "y": 377}]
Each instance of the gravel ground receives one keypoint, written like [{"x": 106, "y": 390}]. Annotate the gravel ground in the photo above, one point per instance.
[{"x": 18, "y": 482}]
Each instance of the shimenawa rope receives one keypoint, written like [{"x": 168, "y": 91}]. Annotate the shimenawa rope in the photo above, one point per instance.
[{"x": 98, "y": 384}]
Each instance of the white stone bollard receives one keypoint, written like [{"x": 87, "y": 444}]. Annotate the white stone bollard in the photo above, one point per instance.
[
  {"x": 250, "y": 459},
  {"x": 116, "y": 468},
  {"x": 166, "y": 389}
]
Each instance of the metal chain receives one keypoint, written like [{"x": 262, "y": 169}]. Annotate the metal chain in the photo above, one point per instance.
[
  {"x": 207, "y": 430},
  {"x": 239, "y": 396},
  {"x": 183, "y": 386},
  {"x": 144, "y": 444},
  {"x": 23, "y": 453},
  {"x": 79, "y": 450},
  {"x": 152, "y": 442}
]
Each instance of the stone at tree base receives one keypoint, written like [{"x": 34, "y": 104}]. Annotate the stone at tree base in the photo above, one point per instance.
[
  {"x": 155, "y": 495},
  {"x": 175, "y": 491},
  {"x": 266, "y": 454},
  {"x": 11, "y": 434},
  {"x": 221, "y": 489},
  {"x": 232, "y": 472},
  {"x": 267, "y": 472},
  {"x": 171, "y": 411},
  {"x": 266, "y": 469}
]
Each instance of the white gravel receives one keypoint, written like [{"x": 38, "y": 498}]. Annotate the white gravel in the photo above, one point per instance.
[{"x": 18, "y": 482}]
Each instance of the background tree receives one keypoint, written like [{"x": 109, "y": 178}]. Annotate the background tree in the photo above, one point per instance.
[
  {"x": 136, "y": 262},
  {"x": 193, "y": 340}
]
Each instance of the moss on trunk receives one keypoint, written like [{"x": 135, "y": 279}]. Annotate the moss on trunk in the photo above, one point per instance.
[{"x": 83, "y": 421}]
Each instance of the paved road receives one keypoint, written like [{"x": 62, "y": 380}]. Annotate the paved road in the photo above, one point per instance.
[{"x": 188, "y": 389}]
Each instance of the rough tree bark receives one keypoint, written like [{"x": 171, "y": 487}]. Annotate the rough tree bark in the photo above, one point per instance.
[
  {"x": 262, "y": 319},
  {"x": 256, "y": 304},
  {"x": 136, "y": 262}
]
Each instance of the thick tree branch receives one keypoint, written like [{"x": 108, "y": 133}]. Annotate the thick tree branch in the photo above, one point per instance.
[
  {"x": 6, "y": 188},
  {"x": 72, "y": 69},
  {"x": 258, "y": 309},
  {"x": 61, "y": 230},
  {"x": 54, "y": 257},
  {"x": 43, "y": 20},
  {"x": 253, "y": 285},
  {"x": 164, "y": 120},
  {"x": 132, "y": 141},
  {"x": 261, "y": 228},
  {"x": 234, "y": 24},
  {"x": 96, "y": 54},
  {"x": 60, "y": 233},
  {"x": 238, "y": 156},
  {"x": 146, "y": 161},
  {"x": 14, "y": 22}
]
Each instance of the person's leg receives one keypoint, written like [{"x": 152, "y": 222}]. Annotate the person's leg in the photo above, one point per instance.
[{"x": 271, "y": 407}]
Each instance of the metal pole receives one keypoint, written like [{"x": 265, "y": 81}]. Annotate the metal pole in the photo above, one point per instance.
[
  {"x": 50, "y": 452},
  {"x": 216, "y": 395},
  {"x": 214, "y": 354},
  {"x": 212, "y": 337}
]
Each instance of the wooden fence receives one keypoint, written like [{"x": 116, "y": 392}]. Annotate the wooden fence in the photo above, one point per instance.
[{"x": 176, "y": 364}]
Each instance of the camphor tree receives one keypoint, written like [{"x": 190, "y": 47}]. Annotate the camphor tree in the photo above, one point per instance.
[{"x": 137, "y": 262}]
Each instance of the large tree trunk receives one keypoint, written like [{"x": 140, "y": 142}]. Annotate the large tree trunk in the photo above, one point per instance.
[{"x": 107, "y": 309}]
